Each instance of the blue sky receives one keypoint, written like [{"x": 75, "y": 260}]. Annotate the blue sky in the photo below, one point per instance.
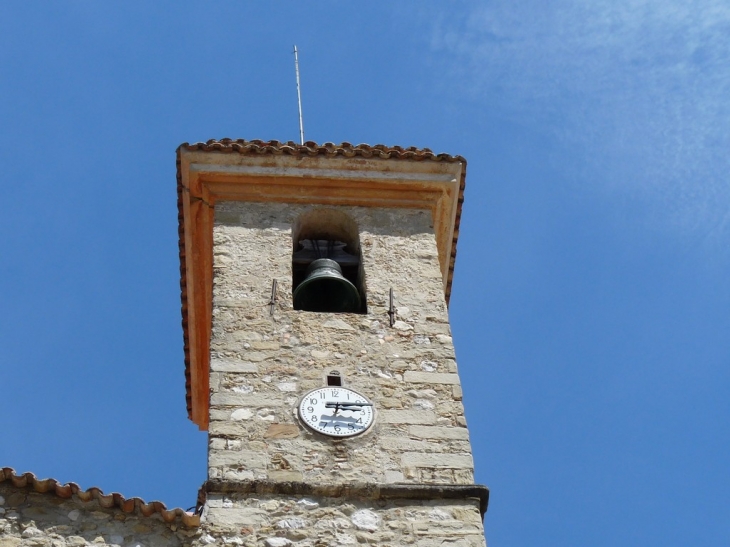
[{"x": 591, "y": 296}]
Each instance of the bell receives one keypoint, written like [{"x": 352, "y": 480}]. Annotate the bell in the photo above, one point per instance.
[{"x": 325, "y": 289}]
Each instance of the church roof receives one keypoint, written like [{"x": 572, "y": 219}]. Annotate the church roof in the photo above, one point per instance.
[
  {"x": 309, "y": 149},
  {"x": 114, "y": 500}
]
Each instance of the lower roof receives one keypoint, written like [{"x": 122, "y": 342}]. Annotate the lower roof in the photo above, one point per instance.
[{"x": 108, "y": 501}]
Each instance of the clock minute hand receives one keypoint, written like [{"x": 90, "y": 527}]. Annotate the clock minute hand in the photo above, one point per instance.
[{"x": 345, "y": 406}]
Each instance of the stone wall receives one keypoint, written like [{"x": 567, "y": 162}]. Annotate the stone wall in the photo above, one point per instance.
[
  {"x": 30, "y": 519},
  {"x": 261, "y": 365},
  {"x": 284, "y": 521}
]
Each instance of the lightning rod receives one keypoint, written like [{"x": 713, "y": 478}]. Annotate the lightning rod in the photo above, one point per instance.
[{"x": 299, "y": 96}]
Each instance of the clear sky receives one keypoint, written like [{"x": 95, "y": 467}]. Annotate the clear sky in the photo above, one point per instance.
[{"x": 591, "y": 303}]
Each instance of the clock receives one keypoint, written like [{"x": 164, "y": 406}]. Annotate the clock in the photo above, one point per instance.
[{"x": 336, "y": 411}]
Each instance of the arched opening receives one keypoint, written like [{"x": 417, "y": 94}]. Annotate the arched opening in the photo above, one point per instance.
[{"x": 327, "y": 234}]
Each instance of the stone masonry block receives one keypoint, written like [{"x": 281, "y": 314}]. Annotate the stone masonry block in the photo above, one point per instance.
[
  {"x": 234, "y": 519},
  {"x": 441, "y": 460},
  {"x": 430, "y": 377},
  {"x": 441, "y": 433},
  {"x": 286, "y": 475},
  {"x": 217, "y": 444},
  {"x": 407, "y": 417},
  {"x": 404, "y": 444},
  {"x": 282, "y": 431},
  {"x": 265, "y": 345},
  {"x": 244, "y": 458},
  {"x": 230, "y": 365},
  {"x": 244, "y": 399},
  {"x": 229, "y": 429},
  {"x": 219, "y": 415}
]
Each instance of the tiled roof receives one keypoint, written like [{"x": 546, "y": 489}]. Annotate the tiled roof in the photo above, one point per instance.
[
  {"x": 346, "y": 150},
  {"x": 310, "y": 148},
  {"x": 68, "y": 490}
]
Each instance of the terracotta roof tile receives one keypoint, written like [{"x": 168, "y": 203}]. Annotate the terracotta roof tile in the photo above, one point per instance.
[
  {"x": 109, "y": 501},
  {"x": 309, "y": 148}
]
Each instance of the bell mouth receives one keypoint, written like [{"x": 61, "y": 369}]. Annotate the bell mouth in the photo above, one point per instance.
[{"x": 325, "y": 289}]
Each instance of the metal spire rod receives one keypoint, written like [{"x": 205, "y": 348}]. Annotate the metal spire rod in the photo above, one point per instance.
[{"x": 299, "y": 96}]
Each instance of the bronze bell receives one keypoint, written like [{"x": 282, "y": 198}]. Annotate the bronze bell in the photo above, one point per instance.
[{"x": 326, "y": 289}]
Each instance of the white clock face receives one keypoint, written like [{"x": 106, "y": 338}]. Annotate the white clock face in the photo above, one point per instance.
[{"x": 336, "y": 411}]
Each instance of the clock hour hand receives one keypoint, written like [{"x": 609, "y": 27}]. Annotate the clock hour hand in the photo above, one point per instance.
[
  {"x": 345, "y": 406},
  {"x": 335, "y": 405}
]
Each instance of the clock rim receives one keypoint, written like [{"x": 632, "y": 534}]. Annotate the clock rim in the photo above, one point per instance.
[{"x": 301, "y": 420}]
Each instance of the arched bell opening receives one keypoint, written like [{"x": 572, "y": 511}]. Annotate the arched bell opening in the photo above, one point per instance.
[{"x": 327, "y": 270}]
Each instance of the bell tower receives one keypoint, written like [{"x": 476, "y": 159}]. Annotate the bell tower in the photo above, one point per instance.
[{"x": 315, "y": 282}]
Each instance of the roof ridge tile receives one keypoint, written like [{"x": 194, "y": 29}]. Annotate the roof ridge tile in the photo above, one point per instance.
[{"x": 311, "y": 148}]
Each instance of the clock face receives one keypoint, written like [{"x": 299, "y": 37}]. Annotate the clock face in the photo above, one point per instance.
[{"x": 336, "y": 411}]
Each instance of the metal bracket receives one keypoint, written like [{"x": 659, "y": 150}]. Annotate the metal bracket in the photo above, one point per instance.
[
  {"x": 391, "y": 309},
  {"x": 272, "y": 301}
]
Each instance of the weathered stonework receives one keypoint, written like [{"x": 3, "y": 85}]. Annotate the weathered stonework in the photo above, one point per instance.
[
  {"x": 281, "y": 521},
  {"x": 30, "y": 519},
  {"x": 261, "y": 364}
]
